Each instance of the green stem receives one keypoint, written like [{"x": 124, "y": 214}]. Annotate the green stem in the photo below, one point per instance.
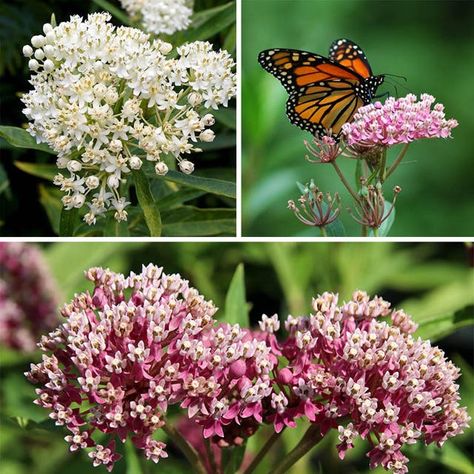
[
  {"x": 383, "y": 164},
  {"x": 344, "y": 181},
  {"x": 147, "y": 203},
  {"x": 322, "y": 229},
  {"x": 310, "y": 439},
  {"x": 261, "y": 454},
  {"x": 67, "y": 222},
  {"x": 364, "y": 232},
  {"x": 189, "y": 452},
  {"x": 398, "y": 160},
  {"x": 375, "y": 230}
]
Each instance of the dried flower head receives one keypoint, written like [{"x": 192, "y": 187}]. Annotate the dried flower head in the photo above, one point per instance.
[
  {"x": 315, "y": 209},
  {"x": 120, "y": 358},
  {"x": 398, "y": 121},
  {"x": 107, "y": 98},
  {"x": 160, "y": 16},
  {"x": 28, "y": 296}
]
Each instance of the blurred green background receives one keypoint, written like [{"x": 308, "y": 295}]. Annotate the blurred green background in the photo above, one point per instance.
[
  {"x": 429, "y": 280},
  {"x": 429, "y": 42}
]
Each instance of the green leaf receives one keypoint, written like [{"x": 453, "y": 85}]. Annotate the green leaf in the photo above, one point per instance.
[
  {"x": 226, "y": 117},
  {"x": 230, "y": 40},
  {"x": 68, "y": 221},
  {"x": 177, "y": 198},
  {"x": 209, "y": 22},
  {"x": 232, "y": 458},
  {"x": 210, "y": 185},
  {"x": 50, "y": 199},
  {"x": 439, "y": 326},
  {"x": 114, "y": 228},
  {"x": 384, "y": 229},
  {"x": 200, "y": 228},
  {"x": 131, "y": 458},
  {"x": 20, "y": 138},
  {"x": 4, "y": 181},
  {"x": 223, "y": 140},
  {"x": 147, "y": 203},
  {"x": 336, "y": 229},
  {"x": 39, "y": 170},
  {"x": 236, "y": 310},
  {"x": 358, "y": 174},
  {"x": 115, "y": 11}
]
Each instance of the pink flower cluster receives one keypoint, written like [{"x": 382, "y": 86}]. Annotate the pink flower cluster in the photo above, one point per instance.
[
  {"x": 28, "y": 296},
  {"x": 141, "y": 343},
  {"x": 398, "y": 121}
]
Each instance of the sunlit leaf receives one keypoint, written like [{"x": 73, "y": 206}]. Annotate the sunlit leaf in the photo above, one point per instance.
[
  {"x": 236, "y": 310},
  {"x": 39, "y": 170},
  {"x": 20, "y": 138}
]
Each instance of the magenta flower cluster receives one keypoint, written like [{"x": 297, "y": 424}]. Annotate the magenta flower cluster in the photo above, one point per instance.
[
  {"x": 141, "y": 343},
  {"x": 28, "y": 296},
  {"x": 398, "y": 121}
]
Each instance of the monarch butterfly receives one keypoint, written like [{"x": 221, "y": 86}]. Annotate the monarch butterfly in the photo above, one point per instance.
[{"x": 324, "y": 92}]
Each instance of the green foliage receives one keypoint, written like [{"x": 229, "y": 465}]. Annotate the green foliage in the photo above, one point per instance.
[{"x": 236, "y": 311}]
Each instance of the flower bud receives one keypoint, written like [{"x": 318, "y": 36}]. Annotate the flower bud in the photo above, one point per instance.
[
  {"x": 194, "y": 98},
  {"x": 165, "y": 48},
  {"x": 186, "y": 166},
  {"x": 27, "y": 51},
  {"x": 208, "y": 120},
  {"x": 78, "y": 200},
  {"x": 92, "y": 182},
  {"x": 161, "y": 169},
  {"x": 135, "y": 162},
  {"x": 111, "y": 96},
  {"x": 74, "y": 166},
  {"x": 50, "y": 36},
  {"x": 237, "y": 369},
  {"x": 285, "y": 376},
  {"x": 49, "y": 50},
  {"x": 33, "y": 64},
  {"x": 48, "y": 65},
  {"x": 115, "y": 146},
  {"x": 207, "y": 136},
  {"x": 39, "y": 54},
  {"x": 47, "y": 28},
  {"x": 38, "y": 41},
  {"x": 113, "y": 181}
]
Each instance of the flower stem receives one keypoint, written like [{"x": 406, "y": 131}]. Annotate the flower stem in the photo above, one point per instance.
[
  {"x": 189, "y": 452},
  {"x": 147, "y": 203},
  {"x": 364, "y": 232},
  {"x": 375, "y": 230},
  {"x": 322, "y": 229},
  {"x": 261, "y": 454},
  {"x": 398, "y": 160},
  {"x": 344, "y": 181},
  {"x": 383, "y": 164},
  {"x": 310, "y": 439}
]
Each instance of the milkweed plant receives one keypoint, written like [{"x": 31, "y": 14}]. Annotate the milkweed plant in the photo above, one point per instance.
[
  {"x": 141, "y": 347},
  {"x": 122, "y": 107},
  {"x": 367, "y": 139}
]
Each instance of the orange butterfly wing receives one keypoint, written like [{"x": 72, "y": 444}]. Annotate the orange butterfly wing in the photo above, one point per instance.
[{"x": 350, "y": 55}]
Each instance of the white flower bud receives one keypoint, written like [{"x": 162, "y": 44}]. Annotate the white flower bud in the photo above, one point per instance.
[
  {"x": 48, "y": 65},
  {"x": 135, "y": 162},
  {"x": 111, "y": 96},
  {"x": 74, "y": 166},
  {"x": 161, "y": 169},
  {"x": 38, "y": 41},
  {"x": 47, "y": 28},
  {"x": 27, "y": 51},
  {"x": 78, "y": 200},
  {"x": 116, "y": 146},
  {"x": 165, "y": 48},
  {"x": 186, "y": 166},
  {"x": 113, "y": 181},
  {"x": 33, "y": 64},
  {"x": 49, "y": 50},
  {"x": 39, "y": 54},
  {"x": 208, "y": 120},
  {"x": 207, "y": 136},
  {"x": 98, "y": 66},
  {"x": 100, "y": 90},
  {"x": 50, "y": 36},
  {"x": 92, "y": 182},
  {"x": 194, "y": 99}
]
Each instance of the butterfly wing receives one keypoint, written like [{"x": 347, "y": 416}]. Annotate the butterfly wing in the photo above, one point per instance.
[
  {"x": 322, "y": 93},
  {"x": 350, "y": 55}
]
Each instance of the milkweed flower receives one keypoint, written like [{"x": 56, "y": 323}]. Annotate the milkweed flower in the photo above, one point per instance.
[
  {"x": 160, "y": 16},
  {"x": 105, "y": 99},
  {"x": 118, "y": 360},
  {"x": 358, "y": 368},
  {"x": 398, "y": 121},
  {"x": 28, "y": 296}
]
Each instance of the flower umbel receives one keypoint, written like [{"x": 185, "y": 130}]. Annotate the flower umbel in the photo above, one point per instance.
[
  {"x": 398, "y": 121},
  {"x": 106, "y": 99},
  {"x": 315, "y": 208},
  {"x": 324, "y": 149}
]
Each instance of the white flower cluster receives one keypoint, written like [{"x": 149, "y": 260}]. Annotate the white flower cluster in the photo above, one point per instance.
[
  {"x": 160, "y": 16},
  {"x": 103, "y": 95}
]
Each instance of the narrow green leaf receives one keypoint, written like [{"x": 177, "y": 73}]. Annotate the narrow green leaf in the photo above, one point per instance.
[
  {"x": 179, "y": 197},
  {"x": 358, "y": 175},
  {"x": 384, "y": 229},
  {"x": 39, "y": 170},
  {"x": 200, "y": 228},
  {"x": 114, "y": 228},
  {"x": 336, "y": 229},
  {"x": 201, "y": 17},
  {"x": 439, "y": 326},
  {"x": 222, "y": 140},
  {"x": 226, "y": 117},
  {"x": 147, "y": 203},
  {"x": 131, "y": 458},
  {"x": 20, "y": 138},
  {"x": 115, "y": 11},
  {"x": 68, "y": 221},
  {"x": 51, "y": 201},
  {"x": 230, "y": 40},
  {"x": 236, "y": 310},
  {"x": 210, "y": 185},
  {"x": 4, "y": 181}
]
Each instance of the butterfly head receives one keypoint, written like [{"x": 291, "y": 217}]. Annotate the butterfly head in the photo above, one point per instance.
[{"x": 367, "y": 89}]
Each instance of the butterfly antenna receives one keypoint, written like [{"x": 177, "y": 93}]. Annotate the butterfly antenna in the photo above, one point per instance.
[{"x": 395, "y": 75}]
